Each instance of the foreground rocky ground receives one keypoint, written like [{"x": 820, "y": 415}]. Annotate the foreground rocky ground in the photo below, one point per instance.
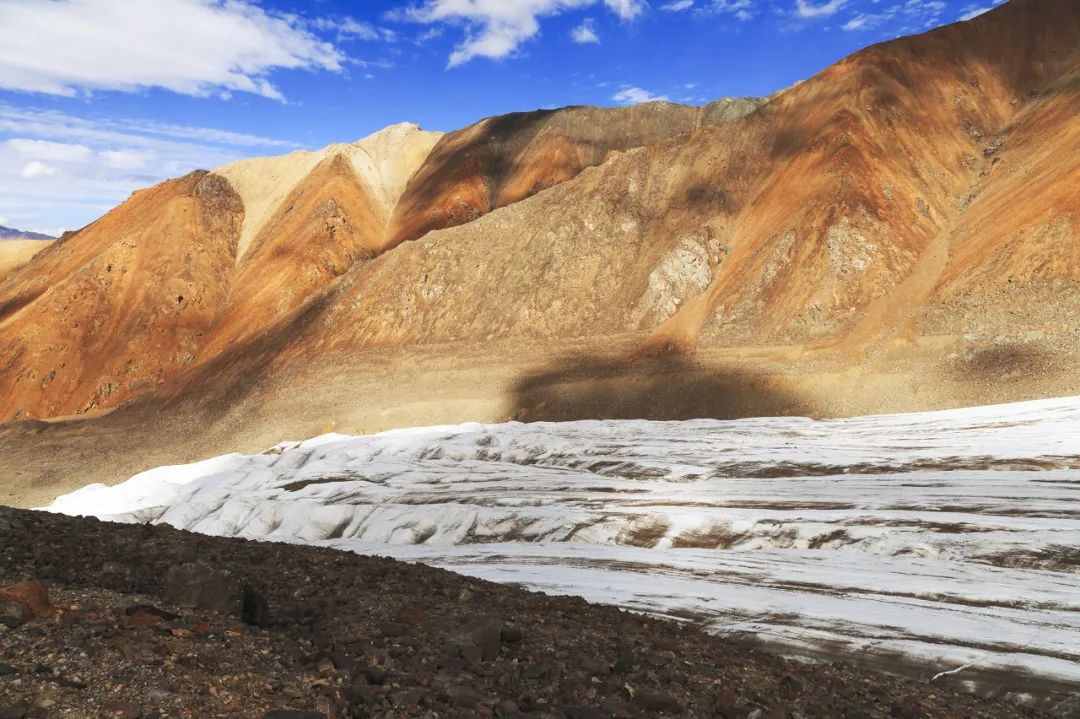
[{"x": 142, "y": 622}]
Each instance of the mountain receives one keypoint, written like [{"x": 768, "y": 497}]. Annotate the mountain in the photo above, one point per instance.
[
  {"x": 9, "y": 233},
  {"x": 196, "y": 266},
  {"x": 899, "y": 232}
]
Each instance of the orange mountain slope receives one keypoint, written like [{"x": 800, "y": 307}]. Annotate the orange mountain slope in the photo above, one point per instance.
[
  {"x": 192, "y": 267},
  {"x": 919, "y": 196},
  {"x": 851, "y": 210}
]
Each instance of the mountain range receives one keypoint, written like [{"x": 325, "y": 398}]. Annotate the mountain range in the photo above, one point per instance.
[
  {"x": 10, "y": 233},
  {"x": 899, "y": 232}
]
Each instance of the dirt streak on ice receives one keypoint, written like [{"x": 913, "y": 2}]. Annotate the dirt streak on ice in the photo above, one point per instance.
[{"x": 930, "y": 541}]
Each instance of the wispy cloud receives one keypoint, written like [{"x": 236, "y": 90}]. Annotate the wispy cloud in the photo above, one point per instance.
[
  {"x": 808, "y": 10},
  {"x": 193, "y": 47},
  {"x": 900, "y": 17},
  {"x": 631, "y": 95},
  {"x": 585, "y": 32},
  {"x": 971, "y": 12},
  {"x": 495, "y": 29},
  {"x": 347, "y": 28},
  {"x": 742, "y": 9},
  {"x": 61, "y": 170}
]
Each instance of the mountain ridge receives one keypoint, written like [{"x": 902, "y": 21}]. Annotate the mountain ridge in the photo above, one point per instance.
[{"x": 10, "y": 233}]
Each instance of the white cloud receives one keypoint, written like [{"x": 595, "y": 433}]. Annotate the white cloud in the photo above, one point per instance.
[
  {"x": 627, "y": 9},
  {"x": 906, "y": 17},
  {"x": 631, "y": 95},
  {"x": 742, "y": 9},
  {"x": 809, "y": 10},
  {"x": 37, "y": 169},
  {"x": 496, "y": 28},
  {"x": 85, "y": 167},
  {"x": 973, "y": 11},
  {"x": 194, "y": 47},
  {"x": 52, "y": 151},
  {"x": 585, "y": 32},
  {"x": 126, "y": 159},
  {"x": 349, "y": 28}
]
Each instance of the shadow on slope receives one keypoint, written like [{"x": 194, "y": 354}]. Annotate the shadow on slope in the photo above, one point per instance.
[{"x": 664, "y": 388}]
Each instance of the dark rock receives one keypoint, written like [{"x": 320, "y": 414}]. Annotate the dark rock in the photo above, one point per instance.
[
  {"x": 150, "y": 609},
  {"x": 407, "y": 698},
  {"x": 657, "y": 701},
  {"x": 14, "y": 614},
  {"x": 479, "y": 640},
  {"x": 855, "y": 712},
  {"x": 466, "y": 697},
  {"x": 293, "y": 714},
  {"x": 13, "y": 712},
  {"x": 394, "y": 630},
  {"x": 7, "y": 669},
  {"x": 119, "y": 710},
  {"x": 727, "y": 706},
  {"x": 374, "y": 675},
  {"x": 204, "y": 587},
  {"x": 512, "y": 635},
  {"x": 507, "y": 708},
  {"x": 589, "y": 665},
  {"x": 616, "y": 708},
  {"x": 906, "y": 710},
  {"x": 574, "y": 712},
  {"x": 362, "y": 695},
  {"x": 255, "y": 610},
  {"x": 791, "y": 685}
]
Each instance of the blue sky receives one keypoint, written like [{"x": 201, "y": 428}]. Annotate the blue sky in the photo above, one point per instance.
[{"x": 101, "y": 97}]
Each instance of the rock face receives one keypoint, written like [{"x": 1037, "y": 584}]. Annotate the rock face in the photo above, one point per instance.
[{"x": 913, "y": 204}]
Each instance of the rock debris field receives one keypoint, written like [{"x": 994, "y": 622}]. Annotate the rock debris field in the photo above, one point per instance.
[{"x": 135, "y": 621}]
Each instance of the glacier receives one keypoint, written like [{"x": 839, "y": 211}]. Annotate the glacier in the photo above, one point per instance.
[{"x": 943, "y": 545}]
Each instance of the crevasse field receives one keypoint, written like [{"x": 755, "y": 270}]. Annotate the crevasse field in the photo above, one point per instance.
[{"x": 945, "y": 545}]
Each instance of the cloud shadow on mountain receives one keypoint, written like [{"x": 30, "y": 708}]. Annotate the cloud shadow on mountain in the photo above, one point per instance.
[{"x": 666, "y": 388}]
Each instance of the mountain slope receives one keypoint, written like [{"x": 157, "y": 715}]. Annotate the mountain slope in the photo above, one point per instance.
[
  {"x": 286, "y": 229},
  {"x": 806, "y": 222},
  {"x": 910, "y": 205},
  {"x": 502, "y": 160}
]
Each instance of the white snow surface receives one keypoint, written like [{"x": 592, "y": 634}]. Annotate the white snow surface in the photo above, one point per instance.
[{"x": 938, "y": 539}]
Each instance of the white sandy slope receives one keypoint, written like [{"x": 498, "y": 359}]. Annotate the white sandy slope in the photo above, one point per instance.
[
  {"x": 384, "y": 162},
  {"x": 919, "y": 543}
]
